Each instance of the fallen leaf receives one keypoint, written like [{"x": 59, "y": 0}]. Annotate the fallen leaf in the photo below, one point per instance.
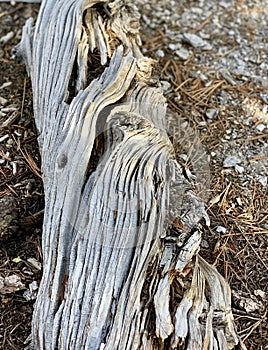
[{"x": 17, "y": 260}]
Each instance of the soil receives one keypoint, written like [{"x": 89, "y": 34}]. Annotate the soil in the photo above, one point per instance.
[{"x": 213, "y": 61}]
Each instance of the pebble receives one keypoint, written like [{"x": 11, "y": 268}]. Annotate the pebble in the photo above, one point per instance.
[
  {"x": 10, "y": 142},
  {"x": 173, "y": 47},
  {"x": 261, "y": 127},
  {"x": 231, "y": 161},
  {"x": 28, "y": 186},
  {"x": 3, "y": 101},
  {"x": 160, "y": 53},
  {"x": 224, "y": 4},
  {"x": 228, "y": 77},
  {"x": 239, "y": 169},
  {"x": 165, "y": 85},
  {"x": 183, "y": 54},
  {"x": 262, "y": 180},
  {"x": 31, "y": 293},
  {"x": 211, "y": 113},
  {"x": 221, "y": 229},
  {"x": 203, "y": 77},
  {"x": 196, "y": 41}
]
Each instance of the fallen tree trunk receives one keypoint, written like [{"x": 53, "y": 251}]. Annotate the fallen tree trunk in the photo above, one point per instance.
[{"x": 116, "y": 273}]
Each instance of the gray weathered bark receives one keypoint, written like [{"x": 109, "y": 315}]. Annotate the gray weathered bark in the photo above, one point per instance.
[{"x": 115, "y": 274}]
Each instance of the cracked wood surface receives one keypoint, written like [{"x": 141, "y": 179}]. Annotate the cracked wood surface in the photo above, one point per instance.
[{"x": 115, "y": 275}]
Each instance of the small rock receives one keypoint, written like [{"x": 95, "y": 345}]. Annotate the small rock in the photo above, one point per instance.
[
  {"x": 10, "y": 142},
  {"x": 160, "y": 53},
  {"x": 3, "y": 101},
  {"x": 224, "y": 4},
  {"x": 28, "y": 186},
  {"x": 262, "y": 179},
  {"x": 211, "y": 113},
  {"x": 193, "y": 40},
  {"x": 183, "y": 54},
  {"x": 234, "y": 135},
  {"x": 196, "y": 41},
  {"x": 231, "y": 161},
  {"x": 203, "y": 77},
  {"x": 173, "y": 47},
  {"x": 165, "y": 85},
  {"x": 239, "y": 169},
  {"x": 228, "y": 77},
  {"x": 241, "y": 71},
  {"x": 31, "y": 293},
  {"x": 261, "y": 127},
  {"x": 221, "y": 229}
]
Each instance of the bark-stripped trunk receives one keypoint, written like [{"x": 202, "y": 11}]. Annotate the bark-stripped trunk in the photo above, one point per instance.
[{"x": 115, "y": 275}]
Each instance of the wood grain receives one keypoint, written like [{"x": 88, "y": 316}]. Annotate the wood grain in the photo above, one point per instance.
[{"x": 112, "y": 264}]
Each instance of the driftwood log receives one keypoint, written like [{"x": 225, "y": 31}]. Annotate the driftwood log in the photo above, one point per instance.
[{"x": 117, "y": 272}]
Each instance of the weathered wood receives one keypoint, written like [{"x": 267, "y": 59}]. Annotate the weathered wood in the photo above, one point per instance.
[{"x": 115, "y": 276}]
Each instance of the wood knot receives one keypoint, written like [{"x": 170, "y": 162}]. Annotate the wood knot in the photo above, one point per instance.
[{"x": 62, "y": 161}]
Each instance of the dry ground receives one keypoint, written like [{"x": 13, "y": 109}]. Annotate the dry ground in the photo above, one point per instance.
[{"x": 219, "y": 87}]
